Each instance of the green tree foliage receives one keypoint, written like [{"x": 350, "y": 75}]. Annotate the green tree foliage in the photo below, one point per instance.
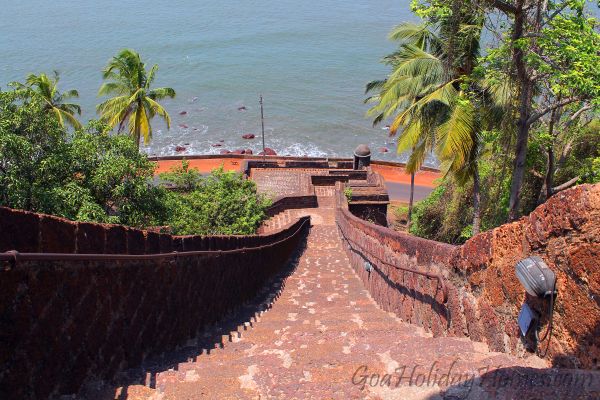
[
  {"x": 54, "y": 101},
  {"x": 135, "y": 103},
  {"x": 222, "y": 203},
  {"x": 518, "y": 121},
  {"x": 86, "y": 176},
  {"x": 549, "y": 51},
  {"x": 182, "y": 178},
  {"x": 91, "y": 175},
  {"x": 434, "y": 96},
  {"x": 32, "y": 151}
]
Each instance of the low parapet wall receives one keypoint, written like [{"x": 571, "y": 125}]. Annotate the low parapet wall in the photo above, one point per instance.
[
  {"x": 484, "y": 295},
  {"x": 65, "y": 322},
  {"x": 375, "y": 251},
  {"x": 292, "y": 202}
]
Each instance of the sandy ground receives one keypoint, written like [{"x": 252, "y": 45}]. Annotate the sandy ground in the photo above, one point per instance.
[{"x": 203, "y": 165}]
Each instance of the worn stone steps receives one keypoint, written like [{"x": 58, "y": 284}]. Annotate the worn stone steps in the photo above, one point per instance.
[
  {"x": 318, "y": 334},
  {"x": 322, "y": 331}
]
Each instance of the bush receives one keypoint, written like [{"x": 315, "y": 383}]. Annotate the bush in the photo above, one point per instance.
[
  {"x": 444, "y": 215},
  {"x": 222, "y": 203},
  {"x": 87, "y": 176}
]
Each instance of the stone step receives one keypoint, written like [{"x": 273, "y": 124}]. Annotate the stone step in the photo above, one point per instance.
[{"x": 321, "y": 336}]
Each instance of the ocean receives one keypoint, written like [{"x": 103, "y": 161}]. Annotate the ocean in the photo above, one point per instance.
[{"x": 309, "y": 59}]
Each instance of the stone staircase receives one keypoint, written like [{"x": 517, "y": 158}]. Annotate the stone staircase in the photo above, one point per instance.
[{"x": 319, "y": 335}]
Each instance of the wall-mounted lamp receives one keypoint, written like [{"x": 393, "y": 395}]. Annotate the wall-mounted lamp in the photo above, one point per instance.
[
  {"x": 539, "y": 281},
  {"x": 536, "y": 277}
]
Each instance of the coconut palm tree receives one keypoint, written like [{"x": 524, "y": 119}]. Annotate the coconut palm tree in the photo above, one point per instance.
[
  {"x": 47, "y": 88},
  {"x": 432, "y": 97},
  {"x": 415, "y": 72},
  {"x": 134, "y": 103}
]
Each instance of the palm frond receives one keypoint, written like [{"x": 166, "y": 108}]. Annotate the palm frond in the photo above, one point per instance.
[
  {"x": 456, "y": 136},
  {"x": 161, "y": 93},
  {"x": 157, "y": 109}
]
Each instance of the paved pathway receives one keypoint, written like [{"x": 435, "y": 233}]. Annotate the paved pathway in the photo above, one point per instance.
[{"x": 323, "y": 337}]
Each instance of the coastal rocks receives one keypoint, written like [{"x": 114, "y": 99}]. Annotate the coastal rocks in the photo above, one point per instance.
[
  {"x": 242, "y": 108},
  {"x": 180, "y": 149},
  {"x": 268, "y": 152},
  {"x": 248, "y": 136},
  {"x": 183, "y": 113},
  {"x": 242, "y": 151}
]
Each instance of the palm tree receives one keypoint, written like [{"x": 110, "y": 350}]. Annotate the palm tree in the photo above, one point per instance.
[
  {"x": 417, "y": 69},
  {"x": 134, "y": 102},
  {"x": 432, "y": 97},
  {"x": 47, "y": 88}
]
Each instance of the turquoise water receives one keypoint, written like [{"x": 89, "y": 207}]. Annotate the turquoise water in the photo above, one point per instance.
[{"x": 309, "y": 59}]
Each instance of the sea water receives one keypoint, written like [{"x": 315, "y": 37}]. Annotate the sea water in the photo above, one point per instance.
[{"x": 309, "y": 59}]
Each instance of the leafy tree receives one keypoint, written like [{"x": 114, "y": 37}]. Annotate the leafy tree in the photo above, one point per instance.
[
  {"x": 549, "y": 50},
  {"x": 87, "y": 176},
  {"x": 33, "y": 151},
  {"x": 134, "y": 103},
  {"x": 117, "y": 177},
  {"x": 55, "y": 102},
  {"x": 220, "y": 203},
  {"x": 182, "y": 177}
]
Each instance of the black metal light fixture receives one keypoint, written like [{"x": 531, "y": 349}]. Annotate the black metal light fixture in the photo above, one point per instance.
[{"x": 539, "y": 281}]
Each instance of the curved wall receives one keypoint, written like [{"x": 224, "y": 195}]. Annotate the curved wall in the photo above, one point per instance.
[{"x": 484, "y": 294}]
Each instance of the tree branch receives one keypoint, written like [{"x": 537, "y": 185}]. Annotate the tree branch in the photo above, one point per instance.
[
  {"x": 504, "y": 6},
  {"x": 565, "y": 185},
  {"x": 546, "y": 110},
  {"x": 555, "y": 13},
  {"x": 578, "y": 113},
  {"x": 536, "y": 174}
]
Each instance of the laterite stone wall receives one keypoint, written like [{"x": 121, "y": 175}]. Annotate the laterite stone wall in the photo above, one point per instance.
[
  {"x": 484, "y": 294},
  {"x": 65, "y": 323}
]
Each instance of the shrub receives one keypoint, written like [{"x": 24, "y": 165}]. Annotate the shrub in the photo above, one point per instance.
[{"x": 221, "y": 203}]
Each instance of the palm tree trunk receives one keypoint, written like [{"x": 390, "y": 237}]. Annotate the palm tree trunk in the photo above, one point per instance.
[
  {"x": 476, "y": 202},
  {"x": 410, "y": 201},
  {"x": 137, "y": 128}
]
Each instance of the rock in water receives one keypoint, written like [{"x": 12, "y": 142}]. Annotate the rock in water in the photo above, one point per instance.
[
  {"x": 179, "y": 149},
  {"x": 225, "y": 152},
  {"x": 238, "y": 152},
  {"x": 242, "y": 108},
  {"x": 184, "y": 126},
  {"x": 247, "y": 151},
  {"x": 268, "y": 152},
  {"x": 383, "y": 150},
  {"x": 183, "y": 113},
  {"x": 217, "y": 145},
  {"x": 248, "y": 136}
]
